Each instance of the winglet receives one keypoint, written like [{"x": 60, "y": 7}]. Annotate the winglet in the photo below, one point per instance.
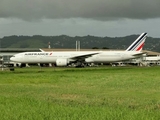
[{"x": 138, "y": 44}]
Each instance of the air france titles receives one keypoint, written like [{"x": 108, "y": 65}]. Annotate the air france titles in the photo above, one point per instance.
[{"x": 36, "y": 53}]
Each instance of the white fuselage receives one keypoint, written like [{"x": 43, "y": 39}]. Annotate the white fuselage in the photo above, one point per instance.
[
  {"x": 51, "y": 57},
  {"x": 65, "y": 58}
]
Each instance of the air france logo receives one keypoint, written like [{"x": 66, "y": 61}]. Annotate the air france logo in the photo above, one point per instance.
[{"x": 37, "y": 53}]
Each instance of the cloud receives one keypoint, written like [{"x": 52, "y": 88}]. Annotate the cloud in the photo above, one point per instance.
[{"x": 90, "y": 9}]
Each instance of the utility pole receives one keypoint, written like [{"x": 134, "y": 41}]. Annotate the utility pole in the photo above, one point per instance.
[
  {"x": 77, "y": 45},
  {"x": 49, "y": 45}
]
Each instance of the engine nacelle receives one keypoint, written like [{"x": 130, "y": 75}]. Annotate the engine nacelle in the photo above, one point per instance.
[{"x": 62, "y": 62}]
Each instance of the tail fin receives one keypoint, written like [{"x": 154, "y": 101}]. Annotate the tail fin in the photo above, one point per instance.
[{"x": 138, "y": 44}]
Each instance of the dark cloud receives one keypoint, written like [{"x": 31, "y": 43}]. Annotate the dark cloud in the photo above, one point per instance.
[{"x": 92, "y": 9}]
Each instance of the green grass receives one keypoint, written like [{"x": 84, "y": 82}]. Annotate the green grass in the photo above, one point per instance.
[{"x": 105, "y": 93}]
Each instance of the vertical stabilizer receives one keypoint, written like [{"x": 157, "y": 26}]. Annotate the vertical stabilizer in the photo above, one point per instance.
[{"x": 138, "y": 44}]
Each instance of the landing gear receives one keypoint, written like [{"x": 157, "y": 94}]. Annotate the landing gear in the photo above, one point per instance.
[{"x": 79, "y": 65}]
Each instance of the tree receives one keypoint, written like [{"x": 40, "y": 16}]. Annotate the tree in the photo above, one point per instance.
[{"x": 95, "y": 48}]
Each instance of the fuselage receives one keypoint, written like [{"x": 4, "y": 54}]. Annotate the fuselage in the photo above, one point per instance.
[
  {"x": 51, "y": 57},
  {"x": 65, "y": 58}
]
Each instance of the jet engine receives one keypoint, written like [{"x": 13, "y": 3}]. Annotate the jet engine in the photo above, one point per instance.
[{"x": 62, "y": 62}]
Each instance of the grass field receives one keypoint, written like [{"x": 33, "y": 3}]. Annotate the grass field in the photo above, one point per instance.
[{"x": 105, "y": 93}]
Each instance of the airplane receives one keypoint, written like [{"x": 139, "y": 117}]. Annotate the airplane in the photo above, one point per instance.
[{"x": 65, "y": 58}]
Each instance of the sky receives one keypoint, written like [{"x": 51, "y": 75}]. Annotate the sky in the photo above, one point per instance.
[{"x": 112, "y": 18}]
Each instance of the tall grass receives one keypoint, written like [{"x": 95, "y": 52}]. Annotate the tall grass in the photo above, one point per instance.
[{"x": 113, "y": 93}]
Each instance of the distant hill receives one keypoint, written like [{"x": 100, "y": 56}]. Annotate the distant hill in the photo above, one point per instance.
[{"x": 87, "y": 42}]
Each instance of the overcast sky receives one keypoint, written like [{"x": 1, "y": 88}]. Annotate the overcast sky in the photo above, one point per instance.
[{"x": 111, "y": 18}]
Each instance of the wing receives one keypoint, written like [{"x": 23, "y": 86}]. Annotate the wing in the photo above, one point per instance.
[
  {"x": 41, "y": 50},
  {"x": 82, "y": 57}
]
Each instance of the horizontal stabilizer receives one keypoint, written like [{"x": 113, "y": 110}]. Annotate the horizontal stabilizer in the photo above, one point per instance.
[{"x": 140, "y": 54}]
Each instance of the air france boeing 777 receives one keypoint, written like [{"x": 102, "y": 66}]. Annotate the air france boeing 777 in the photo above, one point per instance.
[{"x": 64, "y": 58}]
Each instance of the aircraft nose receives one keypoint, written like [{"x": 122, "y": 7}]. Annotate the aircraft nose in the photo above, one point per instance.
[{"x": 12, "y": 59}]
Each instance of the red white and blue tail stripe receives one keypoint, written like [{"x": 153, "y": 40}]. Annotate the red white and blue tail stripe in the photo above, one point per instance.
[{"x": 138, "y": 44}]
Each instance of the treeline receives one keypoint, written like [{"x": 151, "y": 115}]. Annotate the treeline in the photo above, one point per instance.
[{"x": 86, "y": 42}]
